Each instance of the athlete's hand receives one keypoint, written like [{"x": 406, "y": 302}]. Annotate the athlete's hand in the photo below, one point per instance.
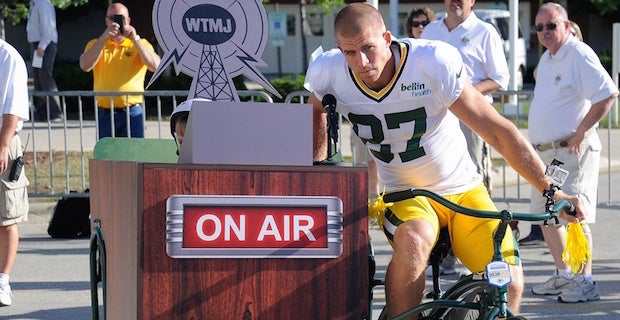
[{"x": 577, "y": 203}]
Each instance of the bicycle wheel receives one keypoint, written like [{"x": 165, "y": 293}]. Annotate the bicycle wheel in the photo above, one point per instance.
[
  {"x": 384, "y": 316},
  {"x": 470, "y": 291}
]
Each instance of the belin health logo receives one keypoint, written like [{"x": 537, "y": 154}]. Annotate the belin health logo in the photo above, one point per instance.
[
  {"x": 209, "y": 24},
  {"x": 418, "y": 89}
]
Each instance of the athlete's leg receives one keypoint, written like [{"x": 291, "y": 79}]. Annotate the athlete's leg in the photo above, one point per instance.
[
  {"x": 405, "y": 283},
  {"x": 412, "y": 227}
]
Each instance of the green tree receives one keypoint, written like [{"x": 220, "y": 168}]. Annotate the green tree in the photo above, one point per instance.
[{"x": 607, "y": 7}]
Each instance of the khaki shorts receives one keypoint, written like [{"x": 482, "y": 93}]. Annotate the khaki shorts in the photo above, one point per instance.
[
  {"x": 582, "y": 180},
  {"x": 472, "y": 238},
  {"x": 14, "y": 205}
]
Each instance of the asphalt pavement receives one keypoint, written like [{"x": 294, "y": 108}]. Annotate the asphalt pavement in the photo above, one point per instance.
[{"x": 51, "y": 277}]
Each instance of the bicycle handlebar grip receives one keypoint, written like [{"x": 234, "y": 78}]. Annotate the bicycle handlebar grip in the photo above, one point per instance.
[
  {"x": 397, "y": 196},
  {"x": 571, "y": 209},
  {"x": 567, "y": 206}
]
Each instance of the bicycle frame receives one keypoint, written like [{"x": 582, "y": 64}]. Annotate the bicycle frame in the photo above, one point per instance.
[{"x": 495, "y": 301}]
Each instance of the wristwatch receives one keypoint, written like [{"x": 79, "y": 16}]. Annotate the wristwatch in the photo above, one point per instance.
[{"x": 136, "y": 38}]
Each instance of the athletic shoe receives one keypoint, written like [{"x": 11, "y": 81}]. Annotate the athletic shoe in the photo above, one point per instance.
[
  {"x": 553, "y": 285},
  {"x": 579, "y": 290},
  {"x": 5, "y": 295}
]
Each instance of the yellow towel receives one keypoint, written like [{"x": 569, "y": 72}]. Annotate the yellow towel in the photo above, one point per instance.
[
  {"x": 577, "y": 251},
  {"x": 376, "y": 210}
]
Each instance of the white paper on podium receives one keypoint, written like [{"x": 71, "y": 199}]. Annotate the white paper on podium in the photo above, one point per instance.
[
  {"x": 37, "y": 62},
  {"x": 248, "y": 133}
]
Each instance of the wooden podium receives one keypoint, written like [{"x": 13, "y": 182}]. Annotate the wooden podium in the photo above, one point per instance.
[{"x": 143, "y": 282}]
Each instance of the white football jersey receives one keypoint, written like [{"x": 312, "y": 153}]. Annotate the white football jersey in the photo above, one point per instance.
[{"x": 413, "y": 137}]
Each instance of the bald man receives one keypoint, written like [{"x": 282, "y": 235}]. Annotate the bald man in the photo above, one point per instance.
[{"x": 119, "y": 59}]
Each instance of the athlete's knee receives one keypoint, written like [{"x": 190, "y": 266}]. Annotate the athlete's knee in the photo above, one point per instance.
[{"x": 416, "y": 237}]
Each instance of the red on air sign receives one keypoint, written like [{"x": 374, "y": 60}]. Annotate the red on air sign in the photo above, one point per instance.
[
  {"x": 254, "y": 227},
  {"x": 199, "y": 226}
]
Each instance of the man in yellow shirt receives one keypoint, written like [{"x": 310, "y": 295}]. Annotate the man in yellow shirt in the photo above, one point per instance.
[{"x": 119, "y": 59}]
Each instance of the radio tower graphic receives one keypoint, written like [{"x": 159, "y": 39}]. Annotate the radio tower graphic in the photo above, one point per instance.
[
  {"x": 212, "y": 80},
  {"x": 212, "y": 42}
]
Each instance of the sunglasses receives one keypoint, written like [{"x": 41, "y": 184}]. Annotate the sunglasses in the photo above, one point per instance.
[
  {"x": 416, "y": 24},
  {"x": 550, "y": 26}
]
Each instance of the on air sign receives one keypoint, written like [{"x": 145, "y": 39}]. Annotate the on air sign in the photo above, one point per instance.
[{"x": 253, "y": 226}]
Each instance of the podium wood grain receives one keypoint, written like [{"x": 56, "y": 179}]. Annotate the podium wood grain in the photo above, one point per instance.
[{"x": 143, "y": 282}]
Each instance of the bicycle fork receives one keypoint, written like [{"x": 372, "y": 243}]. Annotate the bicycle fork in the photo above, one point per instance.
[{"x": 498, "y": 271}]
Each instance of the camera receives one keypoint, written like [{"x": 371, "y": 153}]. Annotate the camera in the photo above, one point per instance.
[
  {"x": 556, "y": 174},
  {"x": 120, "y": 19}
]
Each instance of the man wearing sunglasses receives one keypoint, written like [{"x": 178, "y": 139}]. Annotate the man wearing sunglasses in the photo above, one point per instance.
[
  {"x": 573, "y": 93},
  {"x": 483, "y": 55}
]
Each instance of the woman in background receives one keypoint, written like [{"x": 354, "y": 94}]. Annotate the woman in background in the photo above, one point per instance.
[{"x": 418, "y": 18}]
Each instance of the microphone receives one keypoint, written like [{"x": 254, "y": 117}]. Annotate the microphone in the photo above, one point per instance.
[{"x": 329, "y": 103}]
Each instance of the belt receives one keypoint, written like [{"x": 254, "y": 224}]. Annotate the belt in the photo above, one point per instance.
[
  {"x": 551, "y": 145},
  {"x": 558, "y": 143}
]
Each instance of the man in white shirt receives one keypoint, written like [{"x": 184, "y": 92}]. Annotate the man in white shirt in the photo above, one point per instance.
[
  {"x": 43, "y": 37},
  {"x": 14, "y": 108},
  {"x": 483, "y": 55},
  {"x": 573, "y": 93}
]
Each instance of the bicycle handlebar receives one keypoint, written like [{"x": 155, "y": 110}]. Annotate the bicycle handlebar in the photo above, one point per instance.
[{"x": 504, "y": 214}]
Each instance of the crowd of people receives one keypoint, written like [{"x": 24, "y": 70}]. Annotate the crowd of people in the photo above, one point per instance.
[{"x": 405, "y": 135}]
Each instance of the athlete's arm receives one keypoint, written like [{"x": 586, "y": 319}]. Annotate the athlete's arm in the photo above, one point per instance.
[
  {"x": 487, "y": 86},
  {"x": 503, "y": 136},
  {"x": 319, "y": 129}
]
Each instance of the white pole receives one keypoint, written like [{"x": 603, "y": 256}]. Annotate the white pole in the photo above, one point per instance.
[
  {"x": 615, "y": 70},
  {"x": 394, "y": 21},
  {"x": 512, "y": 40},
  {"x": 374, "y": 3},
  {"x": 613, "y": 113}
]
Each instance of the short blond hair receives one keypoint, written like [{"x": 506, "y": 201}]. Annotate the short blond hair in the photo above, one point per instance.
[{"x": 355, "y": 18}]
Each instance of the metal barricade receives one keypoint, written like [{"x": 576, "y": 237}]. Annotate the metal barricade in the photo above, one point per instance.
[
  {"x": 54, "y": 143},
  {"x": 62, "y": 149}
]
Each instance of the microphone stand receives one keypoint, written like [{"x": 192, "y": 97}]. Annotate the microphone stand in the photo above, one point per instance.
[{"x": 332, "y": 132}]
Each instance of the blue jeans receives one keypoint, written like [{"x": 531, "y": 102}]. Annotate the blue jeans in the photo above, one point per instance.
[{"x": 136, "y": 122}]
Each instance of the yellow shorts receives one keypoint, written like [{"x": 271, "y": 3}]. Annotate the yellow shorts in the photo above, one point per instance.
[{"x": 471, "y": 237}]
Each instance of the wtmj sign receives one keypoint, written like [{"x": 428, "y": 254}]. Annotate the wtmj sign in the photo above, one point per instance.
[{"x": 212, "y": 41}]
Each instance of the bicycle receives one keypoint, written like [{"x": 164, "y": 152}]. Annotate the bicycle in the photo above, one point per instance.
[{"x": 478, "y": 295}]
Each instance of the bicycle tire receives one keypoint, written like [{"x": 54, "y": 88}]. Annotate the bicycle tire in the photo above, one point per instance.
[
  {"x": 467, "y": 290},
  {"x": 384, "y": 316},
  {"x": 471, "y": 291}
]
